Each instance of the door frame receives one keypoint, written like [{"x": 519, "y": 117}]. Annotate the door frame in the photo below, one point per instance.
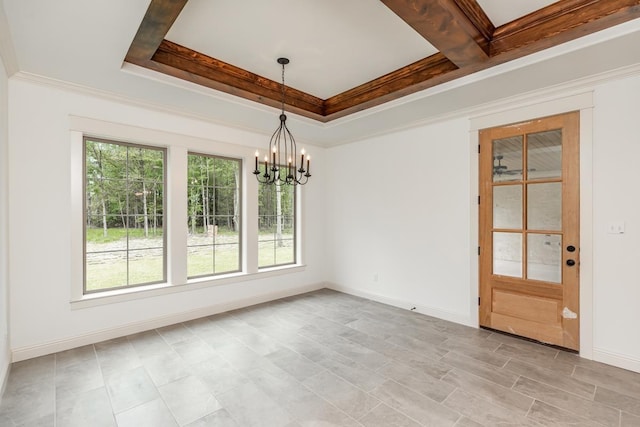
[
  {"x": 499, "y": 292},
  {"x": 512, "y": 112}
]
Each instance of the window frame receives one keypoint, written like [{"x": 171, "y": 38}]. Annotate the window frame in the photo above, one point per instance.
[
  {"x": 177, "y": 144},
  {"x": 294, "y": 227},
  {"x": 240, "y": 215},
  {"x": 85, "y": 138}
]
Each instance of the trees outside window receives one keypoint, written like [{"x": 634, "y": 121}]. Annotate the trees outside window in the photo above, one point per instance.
[
  {"x": 124, "y": 215},
  {"x": 125, "y": 227},
  {"x": 213, "y": 191},
  {"x": 276, "y": 225}
]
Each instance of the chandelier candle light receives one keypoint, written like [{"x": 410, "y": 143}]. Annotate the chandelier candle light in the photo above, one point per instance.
[{"x": 282, "y": 146}]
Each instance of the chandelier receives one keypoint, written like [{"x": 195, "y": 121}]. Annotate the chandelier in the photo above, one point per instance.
[{"x": 280, "y": 163}]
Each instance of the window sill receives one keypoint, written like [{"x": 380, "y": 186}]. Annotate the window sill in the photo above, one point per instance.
[{"x": 141, "y": 292}]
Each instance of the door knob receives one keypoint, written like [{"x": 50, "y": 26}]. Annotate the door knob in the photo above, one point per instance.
[
  {"x": 571, "y": 262},
  {"x": 571, "y": 248}
]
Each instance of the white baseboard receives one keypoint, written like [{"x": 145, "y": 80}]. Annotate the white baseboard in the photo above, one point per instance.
[
  {"x": 30, "y": 352},
  {"x": 429, "y": 311},
  {"x": 23, "y": 353},
  {"x": 620, "y": 360}
]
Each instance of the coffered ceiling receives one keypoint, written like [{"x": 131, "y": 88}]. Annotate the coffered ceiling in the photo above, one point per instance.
[{"x": 349, "y": 56}]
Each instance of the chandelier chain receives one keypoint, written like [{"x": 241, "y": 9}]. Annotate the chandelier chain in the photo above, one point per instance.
[{"x": 282, "y": 89}]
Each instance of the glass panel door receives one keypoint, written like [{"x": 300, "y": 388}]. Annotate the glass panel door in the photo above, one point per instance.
[
  {"x": 530, "y": 229},
  {"x": 527, "y": 206}
]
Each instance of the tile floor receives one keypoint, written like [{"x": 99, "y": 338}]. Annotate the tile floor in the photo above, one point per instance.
[{"x": 319, "y": 359}]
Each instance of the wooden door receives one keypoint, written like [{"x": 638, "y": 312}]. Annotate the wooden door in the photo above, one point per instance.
[{"x": 529, "y": 229}]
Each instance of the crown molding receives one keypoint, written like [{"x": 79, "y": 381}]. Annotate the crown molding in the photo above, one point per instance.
[
  {"x": 148, "y": 105},
  {"x": 550, "y": 93}
]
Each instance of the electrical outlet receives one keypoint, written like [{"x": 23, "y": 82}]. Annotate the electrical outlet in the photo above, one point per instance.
[
  {"x": 615, "y": 227},
  {"x": 375, "y": 277}
]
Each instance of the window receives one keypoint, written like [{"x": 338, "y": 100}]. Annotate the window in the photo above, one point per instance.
[
  {"x": 276, "y": 225},
  {"x": 124, "y": 222},
  {"x": 162, "y": 215},
  {"x": 213, "y": 242}
]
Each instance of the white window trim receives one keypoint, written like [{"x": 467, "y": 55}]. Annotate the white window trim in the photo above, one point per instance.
[
  {"x": 86, "y": 139},
  {"x": 177, "y": 145}
]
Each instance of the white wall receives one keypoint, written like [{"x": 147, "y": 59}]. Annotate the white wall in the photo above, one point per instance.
[
  {"x": 617, "y": 198},
  {"x": 399, "y": 212},
  {"x": 42, "y": 267},
  {"x": 405, "y": 215},
  {"x": 400, "y": 231},
  {"x": 4, "y": 228}
]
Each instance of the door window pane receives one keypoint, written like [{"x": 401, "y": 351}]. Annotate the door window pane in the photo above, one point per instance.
[
  {"x": 544, "y": 154},
  {"x": 544, "y": 206},
  {"x": 544, "y": 257},
  {"x": 507, "y": 254},
  {"x": 507, "y": 159},
  {"x": 507, "y": 206}
]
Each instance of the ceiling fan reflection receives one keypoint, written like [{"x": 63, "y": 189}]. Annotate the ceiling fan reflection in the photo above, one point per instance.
[{"x": 500, "y": 169}]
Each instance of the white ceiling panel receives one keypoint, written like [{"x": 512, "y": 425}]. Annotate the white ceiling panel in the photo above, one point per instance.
[
  {"x": 502, "y": 11},
  {"x": 333, "y": 45}
]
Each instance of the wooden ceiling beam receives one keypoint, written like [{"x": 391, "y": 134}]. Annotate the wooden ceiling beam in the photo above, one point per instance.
[
  {"x": 555, "y": 24},
  {"x": 558, "y": 23},
  {"x": 391, "y": 86},
  {"x": 475, "y": 44},
  {"x": 443, "y": 24},
  {"x": 477, "y": 16},
  {"x": 183, "y": 62},
  {"x": 212, "y": 84},
  {"x": 157, "y": 21}
]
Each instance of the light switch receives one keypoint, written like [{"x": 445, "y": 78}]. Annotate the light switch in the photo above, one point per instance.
[{"x": 615, "y": 227}]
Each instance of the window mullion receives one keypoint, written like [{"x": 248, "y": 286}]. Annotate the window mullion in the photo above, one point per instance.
[
  {"x": 250, "y": 238},
  {"x": 177, "y": 215}
]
